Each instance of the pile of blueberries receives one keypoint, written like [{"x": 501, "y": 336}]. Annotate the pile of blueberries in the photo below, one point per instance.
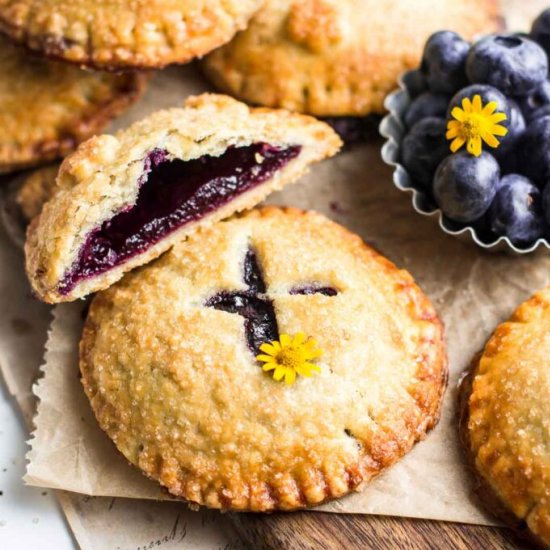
[{"x": 506, "y": 190}]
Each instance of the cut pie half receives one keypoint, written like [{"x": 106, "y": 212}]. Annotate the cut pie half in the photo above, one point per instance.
[{"x": 123, "y": 200}]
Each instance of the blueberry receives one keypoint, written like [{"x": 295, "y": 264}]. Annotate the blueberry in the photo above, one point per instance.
[
  {"x": 415, "y": 82},
  {"x": 516, "y": 211},
  {"x": 488, "y": 94},
  {"x": 464, "y": 185},
  {"x": 540, "y": 31},
  {"x": 444, "y": 61},
  {"x": 423, "y": 148},
  {"x": 533, "y": 151},
  {"x": 513, "y": 64},
  {"x": 540, "y": 113},
  {"x": 505, "y": 152},
  {"x": 426, "y": 105},
  {"x": 534, "y": 100},
  {"x": 546, "y": 202}
]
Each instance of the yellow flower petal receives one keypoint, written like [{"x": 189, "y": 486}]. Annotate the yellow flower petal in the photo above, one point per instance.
[
  {"x": 498, "y": 130},
  {"x": 457, "y": 144},
  {"x": 285, "y": 340},
  {"x": 290, "y": 376},
  {"x": 452, "y": 124},
  {"x": 265, "y": 358},
  {"x": 467, "y": 105},
  {"x": 299, "y": 339},
  {"x": 490, "y": 108},
  {"x": 279, "y": 373},
  {"x": 270, "y": 349},
  {"x": 269, "y": 366},
  {"x": 476, "y": 104},
  {"x": 458, "y": 113},
  {"x": 474, "y": 146},
  {"x": 452, "y": 133},
  {"x": 304, "y": 370},
  {"x": 497, "y": 117},
  {"x": 490, "y": 140}
]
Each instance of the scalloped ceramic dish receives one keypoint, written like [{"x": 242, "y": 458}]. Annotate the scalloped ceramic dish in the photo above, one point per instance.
[{"x": 393, "y": 130}]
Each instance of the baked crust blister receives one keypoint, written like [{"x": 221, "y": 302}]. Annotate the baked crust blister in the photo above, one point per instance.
[
  {"x": 505, "y": 419},
  {"x": 336, "y": 57},
  {"x": 102, "y": 178},
  {"x": 48, "y": 108},
  {"x": 193, "y": 409},
  {"x": 124, "y": 34}
]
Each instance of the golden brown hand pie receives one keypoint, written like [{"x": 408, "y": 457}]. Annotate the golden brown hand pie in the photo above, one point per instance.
[
  {"x": 337, "y": 57},
  {"x": 506, "y": 418},
  {"x": 168, "y": 363},
  {"x": 48, "y": 108},
  {"x": 35, "y": 190},
  {"x": 123, "y": 200},
  {"x": 119, "y": 34}
]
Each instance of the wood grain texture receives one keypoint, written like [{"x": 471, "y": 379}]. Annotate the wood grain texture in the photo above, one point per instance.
[{"x": 325, "y": 531}]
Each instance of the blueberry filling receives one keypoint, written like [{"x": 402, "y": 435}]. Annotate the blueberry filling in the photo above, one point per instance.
[
  {"x": 173, "y": 193},
  {"x": 260, "y": 321},
  {"x": 307, "y": 290}
]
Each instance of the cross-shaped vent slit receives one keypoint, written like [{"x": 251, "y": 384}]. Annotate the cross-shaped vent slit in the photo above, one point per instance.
[{"x": 254, "y": 304}]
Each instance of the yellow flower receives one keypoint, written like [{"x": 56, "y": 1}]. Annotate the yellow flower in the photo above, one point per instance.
[
  {"x": 290, "y": 356},
  {"x": 475, "y": 122}
]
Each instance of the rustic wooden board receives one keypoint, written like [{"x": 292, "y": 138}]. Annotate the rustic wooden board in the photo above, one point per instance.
[{"x": 325, "y": 531}]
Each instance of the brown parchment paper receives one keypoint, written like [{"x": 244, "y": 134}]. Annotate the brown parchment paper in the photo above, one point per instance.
[
  {"x": 98, "y": 523},
  {"x": 473, "y": 291}
]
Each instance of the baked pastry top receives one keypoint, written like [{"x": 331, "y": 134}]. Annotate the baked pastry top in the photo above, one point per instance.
[
  {"x": 193, "y": 408},
  {"x": 507, "y": 419},
  {"x": 123, "y": 200},
  {"x": 48, "y": 108},
  {"x": 336, "y": 57},
  {"x": 117, "y": 34}
]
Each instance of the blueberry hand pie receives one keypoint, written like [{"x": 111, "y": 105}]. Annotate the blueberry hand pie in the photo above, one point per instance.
[
  {"x": 272, "y": 361},
  {"x": 336, "y": 57},
  {"x": 123, "y": 200},
  {"x": 506, "y": 418},
  {"x": 48, "y": 108},
  {"x": 119, "y": 34}
]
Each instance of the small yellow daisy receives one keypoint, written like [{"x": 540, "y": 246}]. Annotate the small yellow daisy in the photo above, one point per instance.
[
  {"x": 474, "y": 123},
  {"x": 290, "y": 356}
]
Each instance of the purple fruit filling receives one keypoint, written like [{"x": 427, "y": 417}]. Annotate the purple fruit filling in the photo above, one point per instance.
[
  {"x": 260, "y": 321},
  {"x": 173, "y": 193},
  {"x": 306, "y": 290}
]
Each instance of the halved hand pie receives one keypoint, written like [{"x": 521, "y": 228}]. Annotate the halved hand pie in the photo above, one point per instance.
[
  {"x": 123, "y": 200},
  {"x": 204, "y": 367},
  {"x": 47, "y": 108}
]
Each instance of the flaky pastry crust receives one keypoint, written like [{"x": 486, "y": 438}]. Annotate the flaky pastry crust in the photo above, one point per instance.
[
  {"x": 175, "y": 386},
  {"x": 122, "y": 34},
  {"x": 337, "y": 57},
  {"x": 505, "y": 419},
  {"x": 102, "y": 178},
  {"x": 48, "y": 108}
]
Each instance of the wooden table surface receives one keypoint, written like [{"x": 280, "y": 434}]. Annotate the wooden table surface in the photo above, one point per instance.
[{"x": 325, "y": 531}]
